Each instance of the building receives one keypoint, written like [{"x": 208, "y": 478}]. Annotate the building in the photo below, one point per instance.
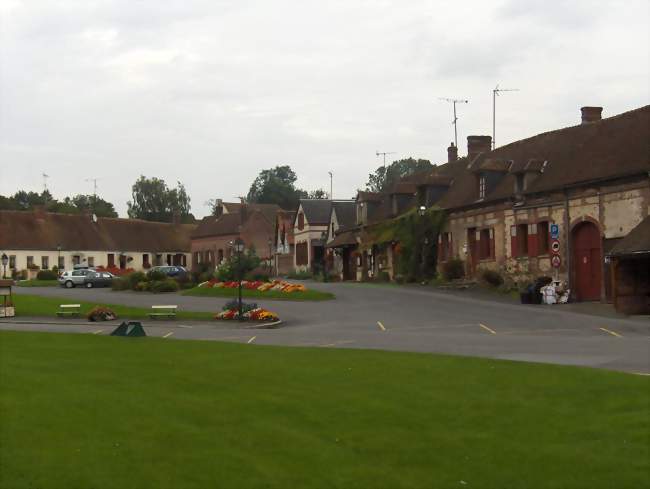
[
  {"x": 343, "y": 219},
  {"x": 39, "y": 240},
  {"x": 284, "y": 242},
  {"x": 211, "y": 241}
]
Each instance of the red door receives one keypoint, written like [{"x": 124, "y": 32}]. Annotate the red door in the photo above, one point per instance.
[{"x": 587, "y": 269}]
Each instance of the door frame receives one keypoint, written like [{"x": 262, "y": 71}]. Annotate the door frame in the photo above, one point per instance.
[{"x": 573, "y": 269}]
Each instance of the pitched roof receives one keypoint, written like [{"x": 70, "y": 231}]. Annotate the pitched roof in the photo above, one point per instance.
[
  {"x": 345, "y": 238},
  {"x": 27, "y": 230},
  {"x": 317, "y": 211},
  {"x": 607, "y": 149},
  {"x": 346, "y": 212},
  {"x": 231, "y": 222},
  {"x": 636, "y": 242}
]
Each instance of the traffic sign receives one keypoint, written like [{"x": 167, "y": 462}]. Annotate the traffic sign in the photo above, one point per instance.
[
  {"x": 556, "y": 261},
  {"x": 555, "y": 231},
  {"x": 555, "y": 246}
]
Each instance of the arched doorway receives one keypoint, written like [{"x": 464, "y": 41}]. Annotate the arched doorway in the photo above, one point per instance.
[{"x": 586, "y": 261}]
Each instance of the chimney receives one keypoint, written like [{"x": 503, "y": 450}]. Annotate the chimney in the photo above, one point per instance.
[
  {"x": 591, "y": 114},
  {"x": 478, "y": 144},
  {"x": 452, "y": 153},
  {"x": 218, "y": 207}
]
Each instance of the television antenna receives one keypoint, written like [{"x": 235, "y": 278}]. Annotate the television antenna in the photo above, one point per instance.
[
  {"x": 45, "y": 177},
  {"x": 455, "y": 101},
  {"x": 94, "y": 180},
  {"x": 379, "y": 153},
  {"x": 495, "y": 94}
]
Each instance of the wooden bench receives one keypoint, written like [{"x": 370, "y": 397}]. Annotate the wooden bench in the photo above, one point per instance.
[
  {"x": 69, "y": 310},
  {"x": 163, "y": 311}
]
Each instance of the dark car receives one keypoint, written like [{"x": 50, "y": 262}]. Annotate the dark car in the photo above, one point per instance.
[
  {"x": 170, "y": 271},
  {"x": 98, "y": 279}
]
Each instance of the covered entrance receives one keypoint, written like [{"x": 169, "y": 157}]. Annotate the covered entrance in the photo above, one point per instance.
[{"x": 586, "y": 263}]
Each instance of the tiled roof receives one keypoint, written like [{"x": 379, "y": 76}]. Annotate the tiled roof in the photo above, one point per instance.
[
  {"x": 317, "y": 211},
  {"x": 636, "y": 242},
  {"x": 231, "y": 222},
  {"x": 346, "y": 212},
  {"x": 27, "y": 230}
]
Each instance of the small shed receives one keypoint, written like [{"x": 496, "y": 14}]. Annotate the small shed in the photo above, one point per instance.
[
  {"x": 6, "y": 305},
  {"x": 630, "y": 271}
]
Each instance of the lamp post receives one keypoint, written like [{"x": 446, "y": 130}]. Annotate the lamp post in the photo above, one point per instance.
[
  {"x": 270, "y": 243},
  {"x": 5, "y": 260},
  {"x": 238, "y": 245}
]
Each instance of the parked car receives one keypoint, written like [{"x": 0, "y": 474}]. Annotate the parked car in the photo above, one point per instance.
[
  {"x": 170, "y": 271},
  {"x": 98, "y": 279},
  {"x": 72, "y": 278}
]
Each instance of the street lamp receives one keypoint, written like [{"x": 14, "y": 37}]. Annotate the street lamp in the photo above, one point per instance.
[
  {"x": 5, "y": 260},
  {"x": 422, "y": 210},
  {"x": 238, "y": 246}
]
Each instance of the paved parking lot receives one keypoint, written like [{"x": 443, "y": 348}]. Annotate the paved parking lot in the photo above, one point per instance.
[{"x": 397, "y": 318}]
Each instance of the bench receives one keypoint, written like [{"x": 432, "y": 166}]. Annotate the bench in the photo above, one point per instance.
[
  {"x": 69, "y": 310},
  {"x": 163, "y": 311}
]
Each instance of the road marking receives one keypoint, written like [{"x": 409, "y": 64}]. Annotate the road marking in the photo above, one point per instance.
[
  {"x": 487, "y": 329},
  {"x": 640, "y": 373},
  {"x": 185, "y": 326},
  {"x": 381, "y": 326},
  {"x": 252, "y": 339},
  {"x": 168, "y": 334},
  {"x": 98, "y": 331},
  {"x": 613, "y": 333}
]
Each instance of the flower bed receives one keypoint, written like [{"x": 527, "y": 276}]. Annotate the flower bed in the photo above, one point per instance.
[
  {"x": 250, "y": 312},
  {"x": 279, "y": 285}
]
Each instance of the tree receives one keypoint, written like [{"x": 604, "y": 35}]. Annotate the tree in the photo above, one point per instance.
[
  {"x": 276, "y": 186},
  {"x": 154, "y": 201},
  {"x": 317, "y": 194},
  {"x": 384, "y": 178}
]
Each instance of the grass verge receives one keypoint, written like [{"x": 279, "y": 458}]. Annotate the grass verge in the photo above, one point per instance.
[
  {"x": 106, "y": 412},
  {"x": 37, "y": 283},
  {"x": 34, "y": 305},
  {"x": 308, "y": 295}
]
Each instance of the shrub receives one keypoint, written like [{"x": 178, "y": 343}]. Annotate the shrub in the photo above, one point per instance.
[
  {"x": 99, "y": 313},
  {"x": 46, "y": 275},
  {"x": 120, "y": 284},
  {"x": 298, "y": 275},
  {"x": 135, "y": 278},
  {"x": 245, "y": 306},
  {"x": 383, "y": 277},
  {"x": 205, "y": 276},
  {"x": 453, "y": 269},
  {"x": 167, "y": 285},
  {"x": 258, "y": 276},
  {"x": 156, "y": 276},
  {"x": 142, "y": 286},
  {"x": 492, "y": 277}
]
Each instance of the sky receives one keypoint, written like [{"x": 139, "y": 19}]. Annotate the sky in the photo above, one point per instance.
[{"x": 210, "y": 92}]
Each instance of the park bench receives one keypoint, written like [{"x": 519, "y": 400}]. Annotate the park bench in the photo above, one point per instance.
[
  {"x": 163, "y": 311},
  {"x": 69, "y": 310}
]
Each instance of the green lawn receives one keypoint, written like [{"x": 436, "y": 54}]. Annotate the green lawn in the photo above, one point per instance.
[
  {"x": 37, "y": 283},
  {"x": 85, "y": 411},
  {"x": 34, "y": 305},
  {"x": 308, "y": 295}
]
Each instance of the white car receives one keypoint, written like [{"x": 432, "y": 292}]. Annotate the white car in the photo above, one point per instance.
[{"x": 72, "y": 278}]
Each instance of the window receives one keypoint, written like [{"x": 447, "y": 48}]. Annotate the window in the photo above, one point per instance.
[
  {"x": 30, "y": 262},
  {"x": 519, "y": 240},
  {"x": 76, "y": 260},
  {"x": 45, "y": 262},
  {"x": 444, "y": 242},
  {"x": 111, "y": 260},
  {"x": 12, "y": 262},
  {"x": 482, "y": 186},
  {"x": 145, "y": 260},
  {"x": 61, "y": 263},
  {"x": 302, "y": 254},
  {"x": 301, "y": 221},
  {"x": 220, "y": 256},
  {"x": 91, "y": 261},
  {"x": 486, "y": 244},
  {"x": 332, "y": 230},
  {"x": 542, "y": 237}
]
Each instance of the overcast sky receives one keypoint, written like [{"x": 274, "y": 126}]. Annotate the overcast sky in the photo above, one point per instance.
[{"x": 210, "y": 92}]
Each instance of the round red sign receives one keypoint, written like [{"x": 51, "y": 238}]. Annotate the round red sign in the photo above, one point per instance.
[
  {"x": 555, "y": 246},
  {"x": 556, "y": 261}
]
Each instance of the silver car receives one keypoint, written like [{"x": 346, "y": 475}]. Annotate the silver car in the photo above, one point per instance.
[{"x": 72, "y": 278}]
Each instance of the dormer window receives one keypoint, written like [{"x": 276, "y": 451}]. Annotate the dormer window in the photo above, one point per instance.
[
  {"x": 301, "y": 221},
  {"x": 482, "y": 186}
]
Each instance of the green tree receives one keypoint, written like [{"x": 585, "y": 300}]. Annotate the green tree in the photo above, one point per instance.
[
  {"x": 154, "y": 201},
  {"x": 276, "y": 186},
  {"x": 317, "y": 194},
  {"x": 383, "y": 178}
]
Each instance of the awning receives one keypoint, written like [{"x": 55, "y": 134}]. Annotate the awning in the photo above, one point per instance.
[
  {"x": 636, "y": 243},
  {"x": 346, "y": 238}
]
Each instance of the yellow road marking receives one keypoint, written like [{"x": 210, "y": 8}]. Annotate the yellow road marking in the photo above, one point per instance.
[
  {"x": 381, "y": 326},
  {"x": 252, "y": 339},
  {"x": 613, "y": 333},
  {"x": 487, "y": 329},
  {"x": 168, "y": 334},
  {"x": 98, "y": 331}
]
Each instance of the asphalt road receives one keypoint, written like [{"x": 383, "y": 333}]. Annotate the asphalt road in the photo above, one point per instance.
[{"x": 400, "y": 318}]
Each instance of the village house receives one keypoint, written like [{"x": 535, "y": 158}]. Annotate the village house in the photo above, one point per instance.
[
  {"x": 38, "y": 240},
  {"x": 211, "y": 241},
  {"x": 284, "y": 242},
  {"x": 342, "y": 219}
]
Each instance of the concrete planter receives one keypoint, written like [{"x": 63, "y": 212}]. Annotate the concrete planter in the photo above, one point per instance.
[{"x": 7, "y": 312}]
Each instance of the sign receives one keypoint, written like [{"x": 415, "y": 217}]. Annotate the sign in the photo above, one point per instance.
[
  {"x": 556, "y": 261},
  {"x": 555, "y": 246},
  {"x": 555, "y": 231}
]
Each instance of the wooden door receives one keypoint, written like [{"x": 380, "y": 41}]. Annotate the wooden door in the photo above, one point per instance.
[{"x": 586, "y": 265}]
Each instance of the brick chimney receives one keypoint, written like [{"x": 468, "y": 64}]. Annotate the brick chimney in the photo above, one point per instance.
[
  {"x": 218, "y": 208},
  {"x": 478, "y": 144},
  {"x": 452, "y": 153},
  {"x": 591, "y": 114}
]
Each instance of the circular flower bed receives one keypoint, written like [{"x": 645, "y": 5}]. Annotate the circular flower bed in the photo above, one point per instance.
[
  {"x": 279, "y": 285},
  {"x": 250, "y": 312}
]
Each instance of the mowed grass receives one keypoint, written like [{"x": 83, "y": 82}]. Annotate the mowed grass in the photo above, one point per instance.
[
  {"x": 34, "y": 305},
  {"x": 308, "y": 295},
  {"x": 82, "y": 411}
]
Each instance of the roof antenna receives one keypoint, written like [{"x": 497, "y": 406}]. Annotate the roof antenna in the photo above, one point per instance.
[
  {"x": 45, "y": 177},
  {"x": 495, "y": 93},
  {"x": 94, "y": 180},
  {"x": 455, "y": 101}
]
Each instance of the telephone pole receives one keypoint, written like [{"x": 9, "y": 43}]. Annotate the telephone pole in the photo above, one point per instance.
[
  {"x": 495, "y": 94},
  {"x": 455, "y": 101},
  {"x": 331, "y": 185}
]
